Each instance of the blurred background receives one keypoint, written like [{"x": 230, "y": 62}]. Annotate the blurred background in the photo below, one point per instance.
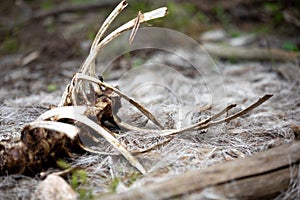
[{"x": 53, "y": 36}]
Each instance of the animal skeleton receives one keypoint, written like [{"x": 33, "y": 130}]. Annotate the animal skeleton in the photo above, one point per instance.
[{"x": 76, "y": 107}]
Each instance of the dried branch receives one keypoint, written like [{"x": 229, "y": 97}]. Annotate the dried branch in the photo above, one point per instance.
[
  {"x": 129, "y": 99},
  {"x": 121, "y": 6},
  {"x": 135, "y": 27},
  {"x": 207, "y": 123},
  {"x": 245, "y": 178},
  {"x": 158, "y": 13}
]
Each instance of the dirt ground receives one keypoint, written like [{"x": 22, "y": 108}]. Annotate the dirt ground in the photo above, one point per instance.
[{"x": 169, "y": 83}]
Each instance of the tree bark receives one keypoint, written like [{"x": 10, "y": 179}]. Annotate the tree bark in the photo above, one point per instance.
[{"x": 263, "y": 175}]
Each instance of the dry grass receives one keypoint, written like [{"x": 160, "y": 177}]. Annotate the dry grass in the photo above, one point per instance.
[
  {"x": 178, "y": 102},
  {"x": 266, "y": 127}
]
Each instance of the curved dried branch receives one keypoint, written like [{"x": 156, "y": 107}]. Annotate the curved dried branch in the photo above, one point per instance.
[
  {"x": 244, "y": 111},
  {"x": 158, "y": 13},
  {"x": 121, "y": 6},
  {"x": 206, "y": 123},
  {"x": 129, "y": 99}
]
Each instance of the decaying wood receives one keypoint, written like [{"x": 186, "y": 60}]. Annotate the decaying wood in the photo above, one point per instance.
[
  {"x": 260, "y": 176},
  {"x": 249, "y": 53},
  {"x": 37, "y": 149}
]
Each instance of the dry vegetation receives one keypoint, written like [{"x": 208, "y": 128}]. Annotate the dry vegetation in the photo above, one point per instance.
[{"x": 178, "y": 95}]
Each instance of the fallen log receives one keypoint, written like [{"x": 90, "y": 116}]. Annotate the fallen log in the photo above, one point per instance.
[
  {"x": 263, "y": 175},
  {"x": 250, "y": 53}
]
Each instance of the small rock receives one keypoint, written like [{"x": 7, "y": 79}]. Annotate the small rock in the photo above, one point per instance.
[
  {"x": 242, "y": 40},
  {"x": 52, "y": 188}
]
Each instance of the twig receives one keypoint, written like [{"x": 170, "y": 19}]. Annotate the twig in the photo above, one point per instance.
[
  {"x": 121, "y": 6},
  {"x": 198, "y": 125},
  {"x": 206, "y": 123},
  {"x": 135, "y": 27},
  {"x": 158, "y": 13},
  {"x": 129, "y": 99},
  {"x": 246, "y": 110}
]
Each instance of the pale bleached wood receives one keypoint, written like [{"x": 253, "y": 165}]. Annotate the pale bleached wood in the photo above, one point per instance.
[
  {"x": 263, "y": 186},
  {"x": 246, "y": 173},
  {"x": 249, "y": 53}
]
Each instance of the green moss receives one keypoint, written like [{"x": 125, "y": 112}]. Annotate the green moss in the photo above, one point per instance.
[
  {"x": 79, "y": 183},
  {"x": 140, "y": 6},
  {"x": 202, "y": 17},
  {"x": 84, "y": 194},
  {"x": 52, "y": 87},
  {"x": 189, "y": 7},
  {"x": 47, "y": 4},
  {"x": 9, "y": 45},
  {"x": 91, "y": 33},
  {"x": 290, "y": 46},
  {"x": 74, "y": 182},
  {"x": 221, "y": 15},
  {"x": 132, "y": 178},
  {"x": 62, "y": 164},
  {"x": 113, "y": 185},
  {"x": 271, "y": 7},
  {"x": 137, "y": 63},
  {"x": 78, "y": 180},
  {"x": 275, "y": 10},
  {"x": 180, "y": 15},
  {"x": 234, "y": 33}
]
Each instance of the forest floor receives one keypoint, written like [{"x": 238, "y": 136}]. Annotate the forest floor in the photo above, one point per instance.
[{"x": 38, "y": 58}]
